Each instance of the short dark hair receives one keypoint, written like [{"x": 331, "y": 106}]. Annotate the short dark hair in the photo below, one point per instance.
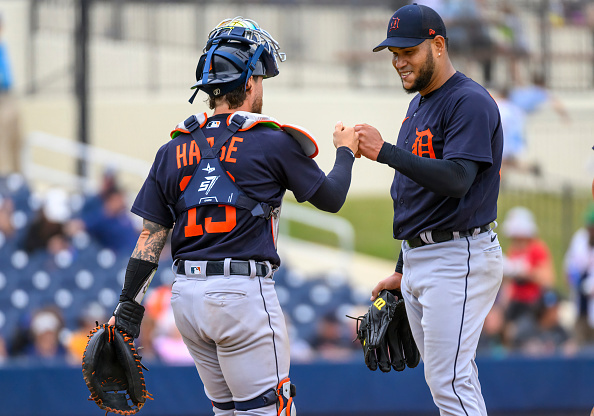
[{"x": 234, "y": 98}]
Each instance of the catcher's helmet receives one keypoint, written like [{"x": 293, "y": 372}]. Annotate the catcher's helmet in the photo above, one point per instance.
[{"x": 236, "y": 49}]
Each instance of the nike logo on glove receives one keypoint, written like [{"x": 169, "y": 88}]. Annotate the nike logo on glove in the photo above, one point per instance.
[{"x": 493, "y": 237}]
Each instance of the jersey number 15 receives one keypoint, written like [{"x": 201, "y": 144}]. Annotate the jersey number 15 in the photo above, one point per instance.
[{"x": 193, "y": 229}]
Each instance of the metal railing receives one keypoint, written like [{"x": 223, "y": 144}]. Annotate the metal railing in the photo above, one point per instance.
[
  {"x": 39, "y": 171},
  {"x": 43, "y": 172}
]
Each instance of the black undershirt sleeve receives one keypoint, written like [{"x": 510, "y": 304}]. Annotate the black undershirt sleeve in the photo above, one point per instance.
[
  {"x": 399, "y": 263},
  {"x": 452, "y": 177},
  {"x": 332, "y": 193}
]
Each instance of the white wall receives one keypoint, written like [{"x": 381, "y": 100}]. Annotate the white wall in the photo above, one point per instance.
[{"x": 138, "y": 126}]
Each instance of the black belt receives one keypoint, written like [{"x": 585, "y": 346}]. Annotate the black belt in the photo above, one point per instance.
[
  {"x": 443, "y": 236},
  {"x": 236, "y": 267}
]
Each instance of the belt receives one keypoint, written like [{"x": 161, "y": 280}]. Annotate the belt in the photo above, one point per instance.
[
  {"x": 236, "y": 267},
  {"x": 437, "y": 236}
]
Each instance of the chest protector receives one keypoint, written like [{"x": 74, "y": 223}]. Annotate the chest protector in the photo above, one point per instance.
[{"x": 210, "y": 183}]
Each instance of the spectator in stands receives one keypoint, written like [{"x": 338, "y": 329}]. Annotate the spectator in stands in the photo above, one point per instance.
[
  {"x": 45, "y": 345},
  {"x": 512, "y": 41},
  {"x": 157, "y": 303},
  {"x": 576, "y": 12},
  {"x": 528, "y": 267},
  {"x": 468, "y": 32},
  {"x": 513, "y": 123},
  {"x": 3, "y": 351},
  {"x": 492, "y": 340},
  {"x": 145, "y": 340},
  {"x": 10, "y": 131},
  {"x": 77, "y": 341},
  {"x": 94, "y": 201},
  {"x": 6, "y": 210},
  {"x": 168, "y": 342},
  {"x": 515, "y": 106},
  {"x": 106, "y": 218},
  {"x": 47, "y": 230},
  {"x": 531, "y": 98},
  {"x": 301, "y": 351},
  {"x": 112, "y": 225},
  {"x": 579, "y": 272},
  {"x": 544, "y": 336},
  {"x": 333, "y": 340}
]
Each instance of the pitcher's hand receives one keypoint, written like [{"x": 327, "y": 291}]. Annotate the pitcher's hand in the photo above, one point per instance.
[{"x": 389, "y": 283}]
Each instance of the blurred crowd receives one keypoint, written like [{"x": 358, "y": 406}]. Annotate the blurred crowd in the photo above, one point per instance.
[
  {"x": 53, "y": 246},
  {"x": 531, "y": 316},
  {"x": 482, "y": 32},
  {"x": 41, "y": 238},
  {"x": 526, "y": 317}
]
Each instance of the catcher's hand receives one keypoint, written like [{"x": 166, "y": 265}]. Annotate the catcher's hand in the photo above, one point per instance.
[
  {"x": 385, "y": 334},
  {"x": 112, "y": 370},
  {"x": 128, "y": 316}
]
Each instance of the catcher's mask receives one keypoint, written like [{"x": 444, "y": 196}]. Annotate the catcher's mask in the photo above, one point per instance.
[{"x": 236, "y": 49}]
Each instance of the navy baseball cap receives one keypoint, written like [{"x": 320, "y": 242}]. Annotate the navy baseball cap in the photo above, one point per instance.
[{"x": 411, "y": 25}]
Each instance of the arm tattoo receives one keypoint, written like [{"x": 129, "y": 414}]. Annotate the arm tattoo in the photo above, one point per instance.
[{"x": 151, "y": 241}]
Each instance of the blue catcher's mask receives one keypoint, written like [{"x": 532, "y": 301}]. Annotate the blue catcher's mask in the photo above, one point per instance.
[{"x": 236, "y": 49}]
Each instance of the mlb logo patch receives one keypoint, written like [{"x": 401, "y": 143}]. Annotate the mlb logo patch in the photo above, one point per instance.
[
  {"x": 195, "y": 270},
  {"x": 213, "y": 124}
]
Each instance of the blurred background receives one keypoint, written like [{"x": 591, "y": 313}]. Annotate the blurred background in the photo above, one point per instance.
[{"x": 90, "y": 89}]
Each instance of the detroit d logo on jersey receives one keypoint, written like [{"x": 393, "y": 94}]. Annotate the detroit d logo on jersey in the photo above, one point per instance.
[{"x": 423, "y": 145}]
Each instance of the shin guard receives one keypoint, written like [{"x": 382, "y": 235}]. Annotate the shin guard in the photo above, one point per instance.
[{"x": 285, "y": 392}]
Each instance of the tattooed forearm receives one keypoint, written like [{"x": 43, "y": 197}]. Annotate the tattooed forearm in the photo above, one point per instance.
[{"x": 150, "y": 242}]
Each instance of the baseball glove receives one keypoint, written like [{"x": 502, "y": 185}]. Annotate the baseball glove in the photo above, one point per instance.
[
  {"x": 112, "y": 370},
  {"x": 385, "y": 334}
]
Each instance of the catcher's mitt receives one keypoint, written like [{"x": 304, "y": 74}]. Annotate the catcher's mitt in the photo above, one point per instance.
[
  {"x": 385, "y": 334},
  {"x": 112, "y": 370}
]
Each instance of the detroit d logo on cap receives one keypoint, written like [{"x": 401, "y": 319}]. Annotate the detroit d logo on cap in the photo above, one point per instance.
[{"x": 394, "y": 23}]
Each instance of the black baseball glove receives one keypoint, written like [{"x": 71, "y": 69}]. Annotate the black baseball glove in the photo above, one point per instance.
[
  {"x": 385, "y": 334},
  {"x": 112, "y": 370}
]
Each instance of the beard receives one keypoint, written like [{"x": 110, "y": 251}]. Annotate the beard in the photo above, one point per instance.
[
  {"x": 425, "y": 75},
  {"x": 257, "y": 105}
]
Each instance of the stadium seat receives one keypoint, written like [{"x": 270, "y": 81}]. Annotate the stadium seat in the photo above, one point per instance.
[
  {"x": 9, "y": 279},
  {"x": 15, "y": 187},
  {"x": 9, "y": 318}
]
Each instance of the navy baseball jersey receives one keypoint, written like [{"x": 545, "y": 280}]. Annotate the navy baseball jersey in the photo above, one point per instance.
[
  {"x": 460, "y": 120},
  {"x": 261, "y": 160}
]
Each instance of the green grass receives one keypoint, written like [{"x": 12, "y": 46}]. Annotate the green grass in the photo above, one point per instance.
[
  {"x": 372, "y": 220},
  {"x": 557, "y": 215}
]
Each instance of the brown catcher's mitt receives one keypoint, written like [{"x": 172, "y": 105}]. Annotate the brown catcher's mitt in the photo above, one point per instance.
[{"x": 112, "y": 370}]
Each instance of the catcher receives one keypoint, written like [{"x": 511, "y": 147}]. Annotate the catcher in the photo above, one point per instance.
[
  {"x": 218, "y": 187},
  {"x": 385, "y": 334}
]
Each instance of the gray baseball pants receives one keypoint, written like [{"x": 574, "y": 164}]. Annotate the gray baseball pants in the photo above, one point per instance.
[
  {"x": 235, "y": 330},
  {"x": 449, "y": 289}
]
